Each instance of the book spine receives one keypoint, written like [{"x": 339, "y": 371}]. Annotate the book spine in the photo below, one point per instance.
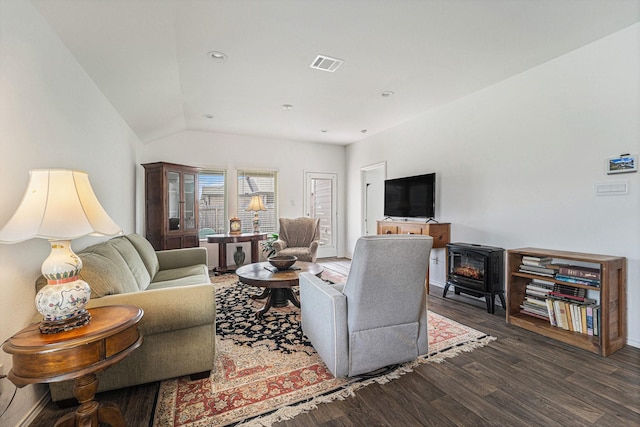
[
  {"x": 552, "y": 315},
  {"x": 570, "y": 290},
  {"x": 572, "y": 327},
  {"x": 556, "y": 314},
  {"x": 534, "y": 269},
  {"x": 537, "y": 302},
  {"x": 533, "y": 287},
  {"x": 538, "y": 273},
  {"x": 584, "y": 273},
  {"x": 531, "y": 258},
  {"x": 577, "y": 315},
  {"x": 562, "y": 322},
  {"x": 570, "y": 279},
  {"x": 542, "y": 283},
  {"x": 561, "y": 295},
  {"x": 589, "y": 320}
]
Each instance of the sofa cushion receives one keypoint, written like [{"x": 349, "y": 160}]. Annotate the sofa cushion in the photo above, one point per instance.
[
  {"x": 133, "y": 260},
  {"x": 192, "y": 275},
  {"x": 105, "y": 276},
  {"x": 119, "y": 269},
  {"x": 146, "y": 252},
  {"x": 303, "y": 254}
]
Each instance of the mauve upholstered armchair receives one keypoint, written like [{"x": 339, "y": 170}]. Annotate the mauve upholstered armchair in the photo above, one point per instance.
[
  {"x": 379, "y": 316},
  {"x": 298, "y": 237}
]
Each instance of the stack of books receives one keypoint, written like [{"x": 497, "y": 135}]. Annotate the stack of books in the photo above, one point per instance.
[
  {"x": 537, "y": 265},
  {"x": 534, "y": 303},
  {"x": 570, "y": 309},
  {"x": 579, "y": 275},
  {"x": 563, "y": 304}
]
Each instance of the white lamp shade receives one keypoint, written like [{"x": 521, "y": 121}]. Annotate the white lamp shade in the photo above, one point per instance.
[
  {"x": 58, "y": 205},
  {"x": 256, "y": 204}
]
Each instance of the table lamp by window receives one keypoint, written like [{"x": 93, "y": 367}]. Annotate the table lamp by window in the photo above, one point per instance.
[
  {"x": 60, "y": 205},
  {"x": 256, "y": 205}
]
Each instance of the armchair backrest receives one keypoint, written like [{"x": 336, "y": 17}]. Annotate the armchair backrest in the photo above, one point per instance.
[
  {"x": 299, "y": 232},
  {"x": 386, "y": 283}
]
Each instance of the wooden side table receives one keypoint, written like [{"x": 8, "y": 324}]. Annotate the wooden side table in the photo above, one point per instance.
[
  {"x": 78, "y": 354},
  {"x": 223, "y": 239}
]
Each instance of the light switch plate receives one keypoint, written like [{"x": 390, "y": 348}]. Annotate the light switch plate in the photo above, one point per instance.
[{"x": 612, "y": 188}]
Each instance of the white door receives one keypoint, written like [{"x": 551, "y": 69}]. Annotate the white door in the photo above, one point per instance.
[
  {"x": 372, "y": 178},
  {"x": 320, "y": 202}
]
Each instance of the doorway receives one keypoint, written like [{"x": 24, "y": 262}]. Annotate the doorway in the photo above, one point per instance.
[
  {"x": 372, "y": 190},
  {"x": 320, "y": 202}
]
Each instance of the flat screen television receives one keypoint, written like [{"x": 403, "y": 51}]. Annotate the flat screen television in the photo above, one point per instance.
[{"x": 410, "y": 197}]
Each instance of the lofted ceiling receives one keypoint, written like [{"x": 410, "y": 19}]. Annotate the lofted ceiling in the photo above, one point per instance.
[{"x": 151, "y": 58}]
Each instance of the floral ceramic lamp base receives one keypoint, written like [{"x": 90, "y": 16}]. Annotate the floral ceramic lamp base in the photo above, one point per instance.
[
  {"x": 256, "y": 223},
  {"x": 62, "y": 301}
]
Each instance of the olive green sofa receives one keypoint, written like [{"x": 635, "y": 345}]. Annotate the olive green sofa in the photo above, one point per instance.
[{"x": 175, "y": 292}]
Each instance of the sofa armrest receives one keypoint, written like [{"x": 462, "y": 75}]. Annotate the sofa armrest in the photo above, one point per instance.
[
  {"x": 168, "y": 309},
  {"x": 279, "y": 245},
  {"x": 324, "y": 322},
  {"x": 177, "y": 258}
]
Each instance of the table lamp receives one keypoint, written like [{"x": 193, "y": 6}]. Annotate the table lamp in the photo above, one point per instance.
[
  {"x": 60, "y": 205},
  {"x": 256, "y": 205}
]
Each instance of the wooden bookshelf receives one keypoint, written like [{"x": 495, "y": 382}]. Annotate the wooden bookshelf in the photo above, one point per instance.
[{"x": 612, "y": 295}]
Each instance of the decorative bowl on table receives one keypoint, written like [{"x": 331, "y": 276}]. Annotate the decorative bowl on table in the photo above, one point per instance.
[{"x": 282, "y": 262}]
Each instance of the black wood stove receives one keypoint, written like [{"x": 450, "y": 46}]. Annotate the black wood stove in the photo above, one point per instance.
[{"x": 476, "y": 270}]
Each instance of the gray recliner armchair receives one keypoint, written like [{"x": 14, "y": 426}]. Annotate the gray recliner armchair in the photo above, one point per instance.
[
  {"x": 298, "y": 237},
  {"x": 379, "y": 316}
]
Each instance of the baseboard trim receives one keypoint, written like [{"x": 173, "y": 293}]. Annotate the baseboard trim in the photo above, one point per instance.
[
  {"x": 436, "y": 284},
  {"x": 35, "y": 411}
]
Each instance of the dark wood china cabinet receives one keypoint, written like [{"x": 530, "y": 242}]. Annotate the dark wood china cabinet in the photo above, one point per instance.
[{"x": 171, "y": 205}]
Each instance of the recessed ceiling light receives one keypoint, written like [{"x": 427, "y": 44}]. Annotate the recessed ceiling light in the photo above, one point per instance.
[
  {"x": 287, "y": 106},
  {"x": 323, "y": 130},
  {"x": 208, "y": 116},
  {"x": 387, "y": 93},
  {"x": 363, "y": 131},
  {"x": 217, "y": 56}
]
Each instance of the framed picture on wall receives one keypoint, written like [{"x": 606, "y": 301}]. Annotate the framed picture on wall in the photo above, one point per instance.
[{"x": 623, "y": 163}]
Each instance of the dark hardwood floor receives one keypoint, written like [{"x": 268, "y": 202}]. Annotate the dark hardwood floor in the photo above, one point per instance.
[{"x": 521, "y": 379}]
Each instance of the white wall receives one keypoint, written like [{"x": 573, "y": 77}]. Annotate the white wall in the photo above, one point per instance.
[
  {"x": 292, "y": 159},
  {"x": 517, "y": 162},
  {"x": 51, "y": 116}
]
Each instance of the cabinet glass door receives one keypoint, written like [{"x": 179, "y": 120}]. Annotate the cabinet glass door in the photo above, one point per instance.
[
  {"x": 173, "y": 200},
  {"x": 189, "y": 201}
]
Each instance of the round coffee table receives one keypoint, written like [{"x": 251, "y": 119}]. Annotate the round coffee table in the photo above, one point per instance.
[{"x": 277, "y": 283}]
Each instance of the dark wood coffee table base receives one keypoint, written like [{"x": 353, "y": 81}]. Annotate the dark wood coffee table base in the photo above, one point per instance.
[
  {"x": 278, "y": 284},
  {"x": 276, "y": 297}
]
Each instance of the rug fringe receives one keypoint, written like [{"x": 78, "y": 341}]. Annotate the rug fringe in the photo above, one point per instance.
[
  {"x": 467, "y": 347},
  {"x": 289, "y": 412}
]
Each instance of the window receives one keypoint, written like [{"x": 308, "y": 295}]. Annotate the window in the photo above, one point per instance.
[
  {"x": 212, "y": 208},
  {"x": 263, "y": 184}
]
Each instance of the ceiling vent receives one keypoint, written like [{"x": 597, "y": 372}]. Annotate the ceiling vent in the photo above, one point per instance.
[{"x": 326, "y": 63}]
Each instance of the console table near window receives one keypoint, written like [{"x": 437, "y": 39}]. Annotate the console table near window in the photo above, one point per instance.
[
  {"x": 223, "y": 239},
  {"x": 78, "y": 354}
]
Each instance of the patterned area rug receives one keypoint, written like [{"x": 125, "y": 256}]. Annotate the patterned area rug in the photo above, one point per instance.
[{"x": 267, "y": 371}]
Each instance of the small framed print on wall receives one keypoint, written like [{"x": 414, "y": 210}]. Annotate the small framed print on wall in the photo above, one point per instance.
[{"x": 624, "y": 163}]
